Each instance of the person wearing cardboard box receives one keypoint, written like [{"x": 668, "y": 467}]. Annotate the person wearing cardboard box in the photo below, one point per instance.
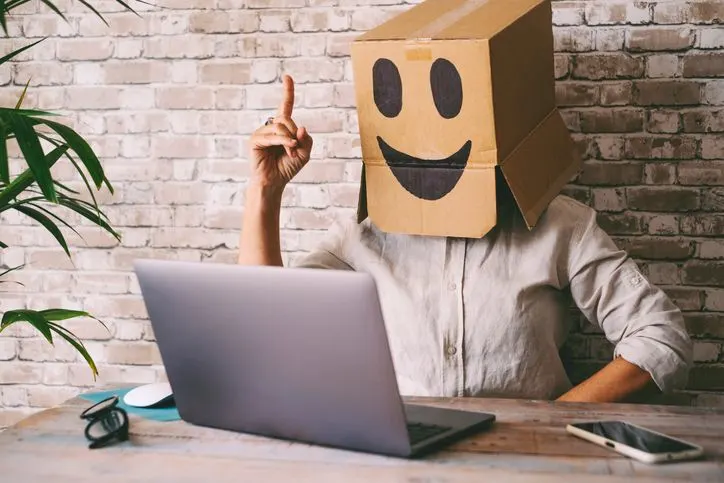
[{"x": 460, "y": 220}]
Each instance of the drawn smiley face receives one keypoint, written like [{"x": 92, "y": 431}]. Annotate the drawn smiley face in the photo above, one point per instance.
[{"x": 425, "y": 178}]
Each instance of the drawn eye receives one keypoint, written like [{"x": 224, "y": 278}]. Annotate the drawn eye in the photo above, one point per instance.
[
  {"x": 387, "y": 87},
  {"x": 447, "y": 88}
]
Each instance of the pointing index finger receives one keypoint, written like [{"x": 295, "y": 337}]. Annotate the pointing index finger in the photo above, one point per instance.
[{"x": 287, "y": 104}]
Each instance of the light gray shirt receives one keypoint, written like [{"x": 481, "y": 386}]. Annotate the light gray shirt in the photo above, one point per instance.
[{"x": 487, "y": 317}]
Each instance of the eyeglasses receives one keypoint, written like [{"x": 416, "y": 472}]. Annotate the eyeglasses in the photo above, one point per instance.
[{"x": 106, "y": 422}]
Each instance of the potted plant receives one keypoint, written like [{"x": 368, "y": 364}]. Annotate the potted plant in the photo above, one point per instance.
[{"x": 42, "y": 142}]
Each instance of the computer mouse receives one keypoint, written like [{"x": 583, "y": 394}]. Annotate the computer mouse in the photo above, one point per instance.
[{"x": 149, "y": 395}]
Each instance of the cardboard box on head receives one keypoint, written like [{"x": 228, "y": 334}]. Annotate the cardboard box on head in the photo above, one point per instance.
[{"x": 448, "y": 92}]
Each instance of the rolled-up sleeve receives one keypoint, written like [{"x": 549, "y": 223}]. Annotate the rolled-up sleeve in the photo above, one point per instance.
[
  {"x": 329, "y": 253},
  {"x": 645, "y": 326}
]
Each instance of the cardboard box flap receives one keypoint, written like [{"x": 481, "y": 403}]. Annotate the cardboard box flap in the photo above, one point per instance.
[
  {"x": 540, "y": 166},
  {"x": 453, "y": 20}
]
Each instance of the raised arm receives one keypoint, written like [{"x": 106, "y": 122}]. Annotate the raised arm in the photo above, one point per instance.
[{"x": 277, "y": 152}]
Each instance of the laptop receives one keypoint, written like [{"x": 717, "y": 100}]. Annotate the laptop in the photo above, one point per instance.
[{"x": 298, "y": 354}]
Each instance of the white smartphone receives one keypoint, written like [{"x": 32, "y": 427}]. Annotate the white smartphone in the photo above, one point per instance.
[{"x": 634, "y": 441}]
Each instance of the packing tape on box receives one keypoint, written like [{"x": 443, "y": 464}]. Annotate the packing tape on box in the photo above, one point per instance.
[{"x": 429, "y": 31}]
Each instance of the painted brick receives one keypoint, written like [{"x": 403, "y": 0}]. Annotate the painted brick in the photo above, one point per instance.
[
  {"x": 225, "y": 72},
  {"x": 686, "y": 299},
  {"x": 714, "y": 92},
  {"x": 653, "y": 39},
  {"x": 169, "y": 100},
  {"x": 610, "y": 174},
  {"x": 706, "y": 351},
  {"x": 8, "y": 348},
  {"x": 704, "y": 65},
  {"x": 609, "y": 199},
  {"x": 611, "y": 120},
  {"x": 616, "y": 93},
  {"x": 667, "y": 199},
  {"x": 705, "y": 325},
  {"x": 574, "y": 39},
  {"x": 608, "y": 40},
  {"x": 706, "y": 377},
  {"x": 671, "y": 147},
  {"x": 711, "y": 38},
  {"x": 697, "y": 173},
  {"x": 568, "y": 13},
  {"x": 703, "y": 121},
  {"x": 713, "y": 200},
  {"x": 703, "y": 225},
  {"x": 662, "y": 273},
  {"x": 662, "y": 224},
  {"x": 607, "y": 66},
  {"x": 561, "y": 66},
  {"x": 662, "y": 93},
  {"x": 84, "y": 49},
  {"x": 660, "y": 174},
  {"x": 662, "y": 121},
  {"x": 712, "y": 147},
  {"x": 575, "y": 94},
  {"x": 617, "y": 12},
  {"x": 713, "y": 249},
  {"x": 706, "y": 12},
  {"x": 662, "y": 65},
  {"x": 671, "y": 12},
  {"x": 662, "y": 248}
]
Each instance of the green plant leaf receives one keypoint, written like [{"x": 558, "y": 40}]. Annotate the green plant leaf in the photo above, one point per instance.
[
  {"x": 3, "y": 22},
  {"x": 53, "y": 215},
  {"x": 3, "y": 245},
  {"x": 55, "y": 142},
  {"x": 43, "y": 322},
  {"x": 11, "y": 270},
  {"x": 128, "y": 7},
  {"x": 12, "y": 54},
  {"x": 22, "y": 96},
  {"x": 84, "y": 152},
  {"x": 65, "y": 314},
  {"x": 98, "y": 14},
  {"x": 24, "y": 201},
  {"x": 76, "y": 205},
  {"x": 32, "y": 317},
  {"x": 26, "y": 178},
  {"x": 28, "y": 112},
  {"x": 4, "y": 161},
  {"x": 62, "y": 186},
  {"x": 47, "y": 223},
  {"x": 33, "y": 152},
  {"x": 54, "y": 9},
  {"x": 75, "y": 342}
]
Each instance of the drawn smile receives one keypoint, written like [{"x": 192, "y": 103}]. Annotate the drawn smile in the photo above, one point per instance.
[{"x": 428, "y": 179}]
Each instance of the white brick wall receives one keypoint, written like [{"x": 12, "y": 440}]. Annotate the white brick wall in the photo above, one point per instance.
[{"x": 169, "y": 98}]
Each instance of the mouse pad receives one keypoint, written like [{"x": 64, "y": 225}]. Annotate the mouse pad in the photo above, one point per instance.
[{"x": 165, "y": 413}]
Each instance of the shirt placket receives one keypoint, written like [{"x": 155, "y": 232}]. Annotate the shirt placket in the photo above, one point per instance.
[{"x": 454, "y": 334}]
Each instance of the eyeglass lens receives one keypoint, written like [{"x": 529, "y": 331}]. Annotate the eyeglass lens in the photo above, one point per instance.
[
  {"x": 105, "y": 424},
  {"x": 100, "y": 407}
]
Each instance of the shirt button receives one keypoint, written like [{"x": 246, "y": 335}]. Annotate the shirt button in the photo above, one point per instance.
[
  {"x": 452, "y": 350},
  {"x": 452, "y": 286}
]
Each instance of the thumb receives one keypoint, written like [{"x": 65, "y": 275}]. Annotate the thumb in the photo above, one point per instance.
[{"x": 304, "y": 139}]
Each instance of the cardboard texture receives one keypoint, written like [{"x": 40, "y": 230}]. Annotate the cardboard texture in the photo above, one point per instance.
[{"x": 448, "y": 92}]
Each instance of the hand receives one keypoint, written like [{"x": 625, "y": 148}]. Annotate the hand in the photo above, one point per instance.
[{"x": 281, "y": 149}]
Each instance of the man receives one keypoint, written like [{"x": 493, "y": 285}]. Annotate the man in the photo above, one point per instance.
[{"x": 484, "y": 317}]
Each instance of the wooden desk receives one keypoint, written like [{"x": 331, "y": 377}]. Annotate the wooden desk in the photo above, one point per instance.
[{"x": 527, "y": 443}]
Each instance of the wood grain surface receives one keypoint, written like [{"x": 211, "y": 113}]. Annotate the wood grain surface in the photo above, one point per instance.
[{"x": 528, "y": 442}]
